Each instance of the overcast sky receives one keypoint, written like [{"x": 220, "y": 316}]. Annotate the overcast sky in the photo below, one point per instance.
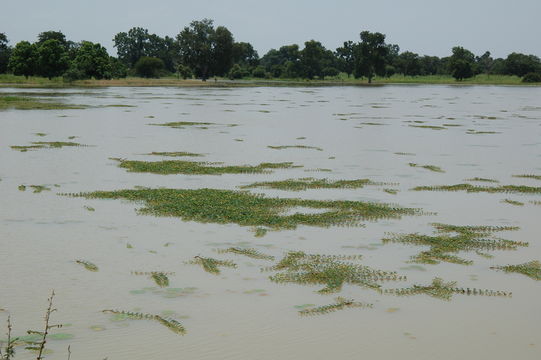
[{"x": 430, "y": 27}]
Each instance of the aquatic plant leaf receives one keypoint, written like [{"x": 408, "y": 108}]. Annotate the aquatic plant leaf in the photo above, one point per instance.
[{"x": 531, "y": 269}]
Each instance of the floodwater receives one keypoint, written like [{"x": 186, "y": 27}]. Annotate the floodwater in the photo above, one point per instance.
[{"x": 241, "y": 314}]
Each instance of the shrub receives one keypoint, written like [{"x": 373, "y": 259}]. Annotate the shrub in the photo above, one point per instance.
[
  {"x": 235, "y": 72},
  {"x": 531, "y": 78},
  {"x": 148, "y": 67},
  {"x": 259, "y": 72},
  {"x": 184, "y": 71}
]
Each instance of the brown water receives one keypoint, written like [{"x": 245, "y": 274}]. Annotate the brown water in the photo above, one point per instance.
[{"x": 241, "y": 314}]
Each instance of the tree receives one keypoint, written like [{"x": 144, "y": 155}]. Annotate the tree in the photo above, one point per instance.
[
  {"x": 408, "y": 64},
  {"x": 312, "y": 58},
  {"x": 130, "y": 46},
  {"x": 461, "y": 63},
  {"x": 184, "y": 71},
  {"x": 370, "y": 55},
  {"x": 485, "y": 63},
  {"x": 195, "y": 46},
  {"x": 520, "y": 64},
  {"x": 430, "y": 65},
  {"x": 23, "y": 59},
  {"x": 222, "y": 51},
  {"x": 346, "y": 57},
  {"x": 5, "y": 52},
  {"x": 244, "y": 54},
  {"x": 148, "y": 67},
  {"x": 52, "y": 59},
  {"x": 93, "y": 61},
  {"x": 53, "y": 35}
]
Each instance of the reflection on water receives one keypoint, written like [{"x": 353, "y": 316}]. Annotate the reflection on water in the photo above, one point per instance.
[{"x": 470, "y": 132}]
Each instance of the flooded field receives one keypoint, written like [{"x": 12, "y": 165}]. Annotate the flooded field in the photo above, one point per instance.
[{"x": 274, "y": 223}]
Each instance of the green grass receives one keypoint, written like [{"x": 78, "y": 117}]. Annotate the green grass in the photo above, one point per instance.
[
  {"x": 311, "y": 183},
  {"x": 45, "y": 145},
  {"x": 169, "y": 167},
  {"x": 175, "y": 154},
  {"x": 433, "y": 168},
  {"x": 451, "y": 239},
  {"x": 332, "y": 271},
  {"x": 519, "y": 189},
  {"x": 246, "y": 209},
  {"x": 281, "y": 147},
  {"x": 29, "y": 103},
  {"x": 531, "y": 269}
]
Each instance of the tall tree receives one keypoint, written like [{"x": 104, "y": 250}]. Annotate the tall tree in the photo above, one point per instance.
[
  {"x": 195, "y": 46},
  {"x": 485, "y": 63},
  {"x": 520, "y": 64},
  {"x": 52, "y": 58},
  {"x": 222, "y": 51},
  {"x": 93, "y": 61},
  {"x": 244, "y": 54},
  {"x": 370, "y": 55},
  {"x": 23, "y": 59},
  {"x": 5, "y": 51},
  {"x": 346, "y": 57},
  {"x": 53, "y": 35},
  {"x": 130, "y": 46},
  {"x": 408, "y": 64},
  {"x": 461, "y": 63},
  {"x": 312, "y": 59}
]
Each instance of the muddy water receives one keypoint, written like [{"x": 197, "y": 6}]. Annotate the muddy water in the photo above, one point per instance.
[{"x": 240, "y": 314}]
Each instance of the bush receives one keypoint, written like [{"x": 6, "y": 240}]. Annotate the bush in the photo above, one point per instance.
[
  {"x": 73, "y": 73},
  {"x": 531, "y": 78},
  {"x": 148, "y": 67},
  {"x": 259, "y": 72},
  {"x": 330, "y": 71},
  {"x": 235, "y": 72},
  {"x": 184, "y": 71}
]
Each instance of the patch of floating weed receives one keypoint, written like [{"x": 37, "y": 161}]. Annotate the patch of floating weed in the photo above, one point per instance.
[
  {"x": 119, "y": 105},
  {"x": 432, "y": 127},
  {"x": 294, "y": 147},
  {"x": 246, "y": 209},
  {"x": 22, "y": 187},
  {"x": 184, "y": 124},
  {"x": 333, "y": 271},
  {"x": 37, "y": 188},
  {"x": 404, "y": 153},
  {"x": 465, "y": 238},
  {"x": 40, "y": 134},
  {"x": 479, "y": 179},
  {"x": 476, "y": 132},
  {"x": 477, "y": 189},
  {"x": 260, "y": 232},
  {"x": 440, "y": 289},
  {"x": 28, "y": 103},
  {"x": 373, "y": 123},
  {"x": 168, "y": 167},
  {"x": 252, "y": 253},
  {"x": 391, "y": 191},
  {"x": 340, "y": 304},
  {"x": 451, "y": 125},
  {"x": 318, "y": 170},
  {"x": 171, "y": 324},
  {"x": 88, "y": 265},
  {"x": 45, "y": 145},
  {"x": 535, "y": 202},
  {"x": 89, "y": 208},
  {"x": 175, "y": 154},
  {"x": 528, "y": 176},
  {"x": 311, "y": 183},
  {"x": 211, "y": 265},
  {"x": 531, "y": 269},
  {"x": 512, "y": 202},
  {"x": 428, "y": 167},
  {"x": 159, "y": 277}
]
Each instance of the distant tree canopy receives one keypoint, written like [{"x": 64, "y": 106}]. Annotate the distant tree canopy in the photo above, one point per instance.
[{"x": 203, "y": 50}]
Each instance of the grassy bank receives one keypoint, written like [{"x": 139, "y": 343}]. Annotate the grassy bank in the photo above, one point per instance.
[{"x": 7, "y": 80}]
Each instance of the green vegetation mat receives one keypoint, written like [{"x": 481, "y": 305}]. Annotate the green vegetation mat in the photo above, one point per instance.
[
  {"x": 466, "y": 238},
  {"x": 246, "y": 209},
  {"x": 311, "y": 183},
  {"x": 531, "y": 269},
  {"x": 478, "y": 189},
  {"x": 45, "y": 145},
  {"x": 175, "y": 154},
  {"x": 168, "y": 167},
  {"x": 28, "y": 103}
]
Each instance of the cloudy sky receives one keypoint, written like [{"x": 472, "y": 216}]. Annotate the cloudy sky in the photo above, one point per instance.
[{"x": 429, "y": 27}]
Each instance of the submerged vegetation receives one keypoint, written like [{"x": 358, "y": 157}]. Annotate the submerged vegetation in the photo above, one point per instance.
[
  {"x": 168, "y": 167},
  {"x": 478, "y": 189},
  {"x": 428, "y": 167},
  {"x": 443, "y": 290},
  {"x": 29, "y": 103},
  {"x": 211, "y": 265},
  {"x": 171, "y": 324},
  {"x": 311, "y": 183},
  {"x": 531, "y": 269},
  {"x": 243, "y": 208},
  {"x": 340, "y": 304},
  {"x": 452, "y": 239},
  {"x": 45, "y": 145},
  {"x": 332, "y": 271}
]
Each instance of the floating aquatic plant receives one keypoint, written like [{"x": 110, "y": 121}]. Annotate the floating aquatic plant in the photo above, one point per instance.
[
  {"x": 443, "y": 290},
  {"x": 253, "y": 253},
  {"x": 211, "y": 265},
  {"x": 535, "y": 202},
  {"x": 531, "y": 269},
  {"x": 45, "y": 145},
  {"x": 477, "y": 132},
  {"x": 160, "y": 279},
  {"x": 243, "y": 208},
  {"x": 341, "y": 303},
  {"x": 477, "y": 189},
  {"x": 260, "y": 232},
  {"x": 333, "y": 271},
  {"x": 176, "y": 154},
  {"x": 87, "y": 264},
  {"x": 171, "y": 324},
  {"x": 512, "y": 202},
  {"x": 391, "y": 191},
  {"x": 432, "y": 127},
  {"x": 311, "y": 183},
  {"x": 466, "y": 238},
  {"x": 183, "y": 124},
  {"x": 404, "y": 153},
  {"x": 295, "y": 147},
  {"x": 428, "y": 167},
  {"x": 482, "y": 180},
  {"x": 29, "y": 103},
  {"x": 528, "y": 176},
  {"x": 168, "y": 167}
]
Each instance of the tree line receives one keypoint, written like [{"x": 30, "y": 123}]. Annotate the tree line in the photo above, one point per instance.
[{"x": 202, "y": 50}]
